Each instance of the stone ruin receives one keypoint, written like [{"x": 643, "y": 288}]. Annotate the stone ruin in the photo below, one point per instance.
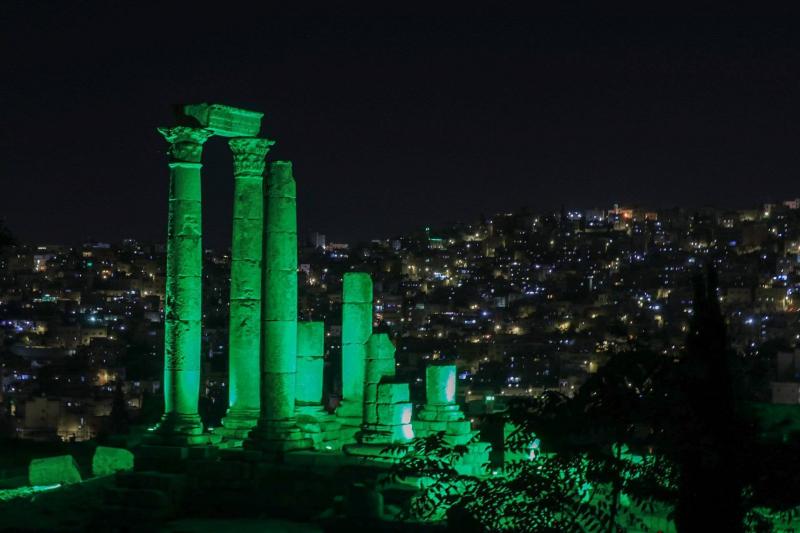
[{"x": 275, "y": 412}]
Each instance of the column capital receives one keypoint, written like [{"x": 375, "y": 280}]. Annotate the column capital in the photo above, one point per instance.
[
  {"x": 249, "y": 154},
  {"x": 186, "y": 142}
]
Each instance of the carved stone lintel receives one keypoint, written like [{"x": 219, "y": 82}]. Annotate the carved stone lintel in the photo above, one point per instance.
[
  {"x": 186, "y": 143},
  {"x": 249, "y": 154}
]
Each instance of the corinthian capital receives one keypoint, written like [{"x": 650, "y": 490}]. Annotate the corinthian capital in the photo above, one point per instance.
[
  {"x": 186, "y": 144},
  {"x": 249, "y": 154}
]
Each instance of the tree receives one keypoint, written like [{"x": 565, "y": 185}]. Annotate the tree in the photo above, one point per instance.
[{"x": 706, "y": 449}]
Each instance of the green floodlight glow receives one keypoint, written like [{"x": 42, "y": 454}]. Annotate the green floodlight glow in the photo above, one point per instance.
[
  {"x": 408, "y": 429},
  {"x": 246, "y": 261},
  {"x": 310, "y": 362},
  {"x": 21, "y": 492},
  {"x": 277, "y": 425},
  {"x": 356, "y": 331},
  {"x": 183, "y": 302}
]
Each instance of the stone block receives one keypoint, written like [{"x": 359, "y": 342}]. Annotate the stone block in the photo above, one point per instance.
[
  {"x": 309, "y": 380},
  {"x": 280, "y": 346},
  {"x": 392, "y": 392},
  {"x": 379, "y": 433},
  {"x": 281, "y": 180},
  {"x": 280, "y": 295},
  {"x": 54, "y": 470},
  {"x": 281, "y": 250},
  {"x": 356, "y": 324},
  {"x": 247, "y": 239},
  {"x": 440, "y": 413},
  {"x": 186, "y": 300},
  {"x": 370, "y": 412},
  {"x": 357, "y": 288},
  {"x": 109, "y": 460},
  {"x": 248, "y": 199},
  {"x": 281, "y": 223},
  {"x": 246, "y": 284},
  {"x": 394, "y": 413},
  {"x": 310, "y": 339},
  {"x": 280, "y": 390},
  {"x": 440, "y": 384},
  {"x": 429, "y": 427},
  {"x": 379, "y": 346},
  {"x": 225, "y": 120},
  {"x": 245, "y": 319},
  {"x": 459, "y": 427},
  {"x": 377, "y": 451},
  {"x": 376, "y": 369}
]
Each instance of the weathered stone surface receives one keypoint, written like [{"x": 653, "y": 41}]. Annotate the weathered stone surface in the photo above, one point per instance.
[
  {"x": 380, "y": 346},
  {"x": 309, "y": 380},
  {"x": 280, "y": 295},
  {"x": 109, "y": 460},
  {"x": 280, "y": 338},
  {"x": 225, "y": 120},
  {"x": 393, "y": 392},
  {"x": 54, "y": 470},
  {"x": 440, "y": 413},
  {"x": 377, "y": 369},
  {"x": 398, "y": 434},
  {"x": 357, "y": 287},
  {"x": 310, "y": 339},
  {"x": 182, "y": 327},
  {"x": 394, "y": 413},
  {"x": 440, "y": 384},
  {"x": 356, "y": 330}
]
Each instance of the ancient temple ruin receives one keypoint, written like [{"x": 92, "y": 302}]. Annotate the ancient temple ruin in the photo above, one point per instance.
[
  {"x": 276, "y": 363},
  {"x": 277, "y": 433}
]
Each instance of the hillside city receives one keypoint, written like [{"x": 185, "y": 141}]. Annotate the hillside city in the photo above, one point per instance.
[{"x": 521, "y": 302}]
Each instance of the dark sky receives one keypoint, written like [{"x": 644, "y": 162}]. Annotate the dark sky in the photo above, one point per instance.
[{"x": 391, "y": 123}]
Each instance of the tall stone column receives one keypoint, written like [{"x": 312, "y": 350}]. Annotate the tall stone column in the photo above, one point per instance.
[
  {"x": 356, "y": 330},
  {"x": 277, "y": 428},
  {"x": 245, "y": 304},
  {"x": 181, "y": 423}
]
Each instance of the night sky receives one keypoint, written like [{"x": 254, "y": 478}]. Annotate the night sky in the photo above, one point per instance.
[{"x": 392, "y": 124}]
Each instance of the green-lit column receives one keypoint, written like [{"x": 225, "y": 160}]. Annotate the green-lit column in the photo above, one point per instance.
[
  {"x": 356, "y": 330},
  {"x": 440, "y": 384},
  {"x": 277, "y": 428},
  {"x": 181, "y": 424},
  {"x": 312, "y": 418},
  {"x": 310, "y": 363},
  {"x": 245, "y": 306}
]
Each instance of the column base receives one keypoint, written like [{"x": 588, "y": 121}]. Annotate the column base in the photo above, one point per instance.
[
  {"x": 380, "y": 453},
  {"x": 178, "y": 430},
  {"x": 277, "y": 436},
  {"x": 350, "y": 414},
  {"x": 321, "y": 427},
  {"x": 237, "y": 424}
]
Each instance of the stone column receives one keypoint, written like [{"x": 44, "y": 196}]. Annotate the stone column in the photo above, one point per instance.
[
  {"x": 244, "y": 345},
  {"x": 379, "y": 365},
  {"x": 181, "y": 423},
  {"x": 312, "y": 418},
  {"x": 310, "y": 364},
  {"x": 356, "y": 330},
  {"x": 441, "y": 414},
  {"x": 277, "y": 428},
  {"x": 440, "y": 400}
]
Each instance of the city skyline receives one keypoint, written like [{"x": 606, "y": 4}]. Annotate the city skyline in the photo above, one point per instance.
[{"x": 418, "y": 120}]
